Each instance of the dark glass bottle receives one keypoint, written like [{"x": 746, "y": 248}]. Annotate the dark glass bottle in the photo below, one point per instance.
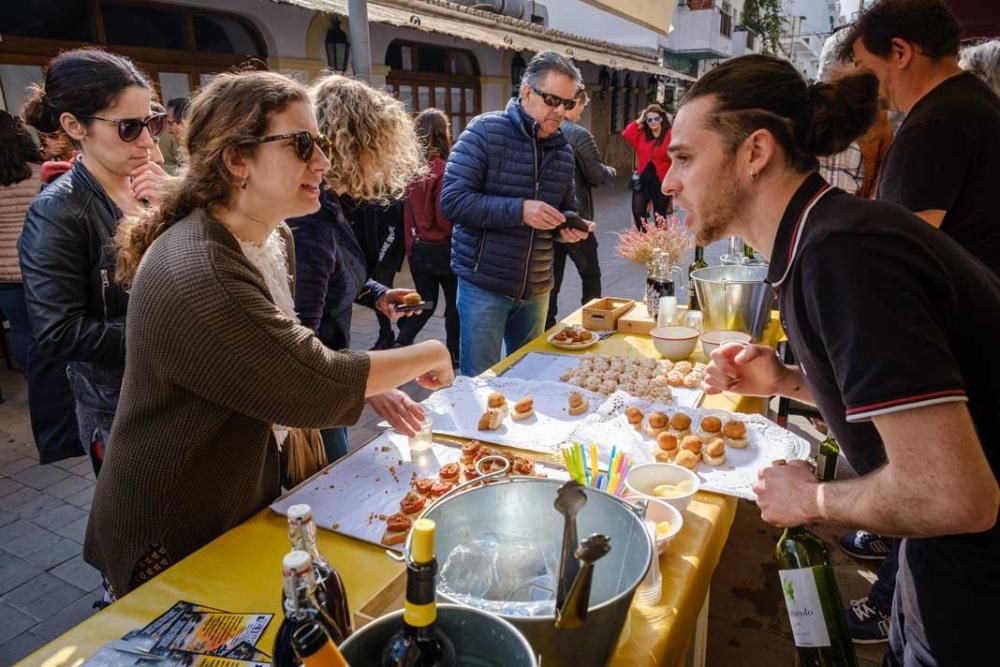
[
  {"x": 330, "y": 591},
  {"x": 826, "y": 459},
  {"x": 698, "y": 263},
  {"x": 747, "y": 251},
  {"x": 300, "y": 607},
  {"x": 420, "y": 643},
  {"x": 315, "y": 648}
]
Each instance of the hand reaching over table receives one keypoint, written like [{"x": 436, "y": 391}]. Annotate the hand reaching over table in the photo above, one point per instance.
[{"x": 402, "y": 412}]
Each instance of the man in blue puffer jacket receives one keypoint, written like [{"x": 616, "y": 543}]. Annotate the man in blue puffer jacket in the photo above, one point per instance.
[{"x": 507, "y": 188}]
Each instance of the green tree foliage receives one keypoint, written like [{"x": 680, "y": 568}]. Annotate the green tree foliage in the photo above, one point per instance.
[{"x": 766, "y": 18}]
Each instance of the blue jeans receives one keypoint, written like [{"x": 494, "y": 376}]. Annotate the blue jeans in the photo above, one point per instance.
[
  {"x": 14, "y": 309},
  {"x": 489, "y": 320},
  {"x": 335, "y": 443}
]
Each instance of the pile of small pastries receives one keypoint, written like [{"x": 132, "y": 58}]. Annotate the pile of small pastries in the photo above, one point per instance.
[
  {"x": 675, "y": 442},
  {"x": 498, "y": 409},
  {"x": 642, "y": 377}
]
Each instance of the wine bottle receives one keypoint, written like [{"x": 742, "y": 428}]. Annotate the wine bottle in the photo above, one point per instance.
[
  {"x": 315, "y": 648},
  {"x": 330, "y": 591},
  {"x": 826, "y": 459},
  {"x": 420, "y": 643},
  {"x": 748, "y": 251},
  {"x": 698, "y": 263},
  {"x": 300, "y": 607}
]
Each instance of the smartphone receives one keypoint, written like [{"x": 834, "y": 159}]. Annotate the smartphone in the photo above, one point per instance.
[
  {"x": 423, "y": 305},
  {"x": 574, "y": 221}
]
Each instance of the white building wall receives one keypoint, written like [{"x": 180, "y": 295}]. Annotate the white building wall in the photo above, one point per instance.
[{"x": 580, "y": 18}]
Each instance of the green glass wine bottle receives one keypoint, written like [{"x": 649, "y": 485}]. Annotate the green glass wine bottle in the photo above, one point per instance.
[
  {"x": 698, "y": 263},
  {"x": 810, "y": 588},
  {"x": 420, "y": 642}
]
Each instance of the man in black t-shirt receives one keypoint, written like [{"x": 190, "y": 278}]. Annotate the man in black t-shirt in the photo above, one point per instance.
[
  {"x": 945, "y": 159},
  {"x": 888, "y": 320}
]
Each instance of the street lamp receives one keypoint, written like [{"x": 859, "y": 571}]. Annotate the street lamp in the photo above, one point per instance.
[
  {"x": 338, "y": 48},
  {"x": 517, "y": 67}
]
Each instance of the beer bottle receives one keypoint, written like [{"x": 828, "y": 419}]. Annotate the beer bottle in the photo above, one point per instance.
[{"x": 330, "y": 592}]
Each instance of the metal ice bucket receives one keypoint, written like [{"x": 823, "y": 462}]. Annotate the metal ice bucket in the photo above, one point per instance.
[
  {"x": 522, "y": 508},
  {"x": 734, "y": 298},
  {"x": 480, "y": 639}
]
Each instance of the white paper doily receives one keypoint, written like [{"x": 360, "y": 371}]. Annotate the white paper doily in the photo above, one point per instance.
[{"x": 609, "y": 428}]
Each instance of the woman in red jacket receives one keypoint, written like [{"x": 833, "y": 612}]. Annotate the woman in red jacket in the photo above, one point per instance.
[
  {"x": 428, "y": 234},
  {"x": 649, "y": 137}
]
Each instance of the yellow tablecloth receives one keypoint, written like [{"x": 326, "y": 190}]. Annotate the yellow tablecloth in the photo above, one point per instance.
[{"x": 241, "y": 570}]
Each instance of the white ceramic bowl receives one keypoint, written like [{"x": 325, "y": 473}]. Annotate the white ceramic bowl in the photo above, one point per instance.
[
  {"x": 658, "y": 510},
  {"x": 713, "y": 339},
  {"x": 642, "y": 479},
  {"x": 674, "y": 343}
]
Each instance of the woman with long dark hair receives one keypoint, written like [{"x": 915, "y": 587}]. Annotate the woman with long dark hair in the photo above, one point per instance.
[
  {"x": 649, "y": 136},
  {"x": 428, "y": 233},
  {"x": 101, "y": 101}
]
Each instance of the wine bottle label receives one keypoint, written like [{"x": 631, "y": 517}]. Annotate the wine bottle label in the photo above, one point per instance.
[
  {"x": 804, "y": 609},
  {"x": 419, "y": 615}
]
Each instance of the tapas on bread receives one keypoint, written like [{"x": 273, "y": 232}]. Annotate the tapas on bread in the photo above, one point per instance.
[{"x": 572, "y": 337}]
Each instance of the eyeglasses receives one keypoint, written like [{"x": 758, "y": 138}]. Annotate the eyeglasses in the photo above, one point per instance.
[
  {"x": 303, "y": 143},
  {"x": 129, "y": 129},
  {"x": 554, "y": 100},
  {"x": 653, "y": 119}
]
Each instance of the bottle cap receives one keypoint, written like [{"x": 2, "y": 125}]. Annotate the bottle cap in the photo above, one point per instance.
[
  {"x": 299, "y": 513},
  {"x": 422, "y": 547},
  {"x": 297, "y": 562}
]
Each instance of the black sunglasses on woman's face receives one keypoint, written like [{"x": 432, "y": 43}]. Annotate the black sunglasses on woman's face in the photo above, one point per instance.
[
  {"x": 129, "y": 129},
  {"x": 554, "y": 100},
  {"x": 303, "y": 143}
]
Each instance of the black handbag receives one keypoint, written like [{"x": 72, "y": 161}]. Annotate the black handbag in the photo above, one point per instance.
[{"x": 431, "y": 257}]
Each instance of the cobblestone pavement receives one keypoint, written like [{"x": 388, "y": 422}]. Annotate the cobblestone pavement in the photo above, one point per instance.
[{"x": 46, "y": 588}]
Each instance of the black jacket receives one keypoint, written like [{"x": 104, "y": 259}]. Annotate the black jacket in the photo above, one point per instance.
[
  {"x": 591, "y": 172},
  {"x": 76, "y": 309}
]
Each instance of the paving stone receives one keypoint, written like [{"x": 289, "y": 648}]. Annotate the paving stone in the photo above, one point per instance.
[
  {"x": 7, "y": 517},
  {"x": 68, "y": 486},
  {"x": 17, "y": 465},
  {"x": 59, "y": 552},
  {"x": 13, "y": 622},
  {"x": 68, "y": 464},
  {"x": 83, "y": 468},
  {"x": 14, "y": 530},
  {"x": 63, "y": 515},
  {"x": 19, "y": 647},
  {"x": 39, "y": 538},
  {"x": 44, "y": 596},
  {"x": 68, "y": 617},
  {"x": 15, "y": 571},
  {"x": 77, "y": 572},
  {"x": 38, "y": 506},
  {"x": 82, "y": 498},
  {"x": 9, "y": 486},
  {"x": 40, "y": 476},
  {"x": 75, "y": 531},
  {"x": 12, "y": 501}
]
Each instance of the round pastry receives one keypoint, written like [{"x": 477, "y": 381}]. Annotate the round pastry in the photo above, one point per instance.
[
  {"x": 634, "y": 416},
  {"x": 496, "y": 400},
  {"x": 523, "y": 409},
  {"x": 692, "y": 443},
  {"x": 470, "y": 472},
  {"x": 667, "y": 441},
  {"x": 664, "y": 366},
  {"x": 699, "y": 367},
  {"x": 484, "y": 452},
  {"x": 491, "y": 419},
  {"x": 680, "y": 424},
  {"x": 656, "y": 423},
  {"x": 585, "y": 335},
  {"x": 523, "y": 466},
  {"x": 441, "y": 488},
  {"x": 423, "y": 485},
  {"x": 578, "y": 380},
  {"x": 469, "y": 451},
  {"x": 710, "y": 428},
  {"x": 608, "y": 387},
  {"x": 648, "y": 362},
  {"x": 714, "y": 453},
  {"x": 663, "y": 457},
  {"x": 567, "y": 375},
  {"x": 398, "y": 523},
  {"x": 675, "y": 378},
  {"x": 735, "y": 433},
  {"x": 577, "y": 404},
  {"x": 412, "y": 503},
  {"x": 412, "y": 299},
  {"x": 692, "y": 380},
  {"x": 449, "y": 471},
  {"x": 683, "y": 367},
  {"x": 687, "y": 459}
]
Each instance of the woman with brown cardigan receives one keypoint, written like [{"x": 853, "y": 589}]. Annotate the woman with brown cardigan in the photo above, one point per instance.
[{"x": 215, "y": 358}]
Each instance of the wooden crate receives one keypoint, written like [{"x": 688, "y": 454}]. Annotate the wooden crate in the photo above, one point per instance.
[
  {"x": 388, "y": 599},
  {"x": 603, "y": 314},
  {"x": 636, "y": 321}
]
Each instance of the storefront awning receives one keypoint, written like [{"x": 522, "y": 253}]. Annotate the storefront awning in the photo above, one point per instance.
[{"x": 499, "y": 32}]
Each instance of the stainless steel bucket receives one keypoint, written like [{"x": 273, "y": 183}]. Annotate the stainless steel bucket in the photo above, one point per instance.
[
  {"x": 734, "y": 298},
  {"x": 522, "y": 508},
  {"x": 481, "y": 639}
]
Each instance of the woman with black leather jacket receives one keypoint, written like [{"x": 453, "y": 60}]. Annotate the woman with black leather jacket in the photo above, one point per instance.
[{"x": 102, "y": 102}]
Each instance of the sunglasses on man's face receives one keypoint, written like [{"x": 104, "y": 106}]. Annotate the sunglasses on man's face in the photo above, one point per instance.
[
  {"x": 653, "y": 119},
  {"x": 554, "y": 100},
  {"x": 303, "y": 142},
  {"x": 129, "y": 129}
]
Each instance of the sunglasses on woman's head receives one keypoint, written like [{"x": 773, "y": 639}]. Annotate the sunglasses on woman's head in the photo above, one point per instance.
[
  {"x": 653, "y": 119},
  {"x": 303, "y": 143},
  {"x": 129, "y": 129},
  {"x": 554, "y": 100}
]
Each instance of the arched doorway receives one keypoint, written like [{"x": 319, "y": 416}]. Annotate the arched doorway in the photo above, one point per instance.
[{"x": 426, "y": 75}]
